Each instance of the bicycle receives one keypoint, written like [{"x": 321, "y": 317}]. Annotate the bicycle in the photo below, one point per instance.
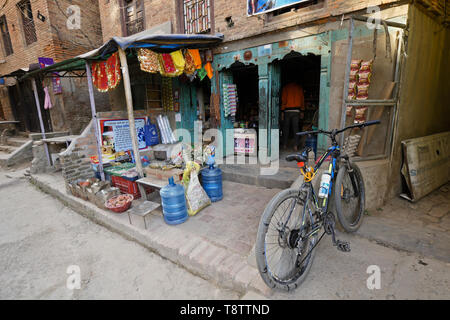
[{"x": 295, "y": 228}]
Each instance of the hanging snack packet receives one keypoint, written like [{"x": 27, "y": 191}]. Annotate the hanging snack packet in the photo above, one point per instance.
[
  {"x": 353, "y": 75},
  {"x": 366, "y": 66},
  {"x": 355, "y": 64},
  {"x": 363, "y": 92},
  {"x": 364, "y": 77},
  {"x": 352, "y": 87}
]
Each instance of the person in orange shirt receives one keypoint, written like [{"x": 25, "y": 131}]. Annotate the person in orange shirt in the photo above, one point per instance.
[{"x": 292, "y": 105}]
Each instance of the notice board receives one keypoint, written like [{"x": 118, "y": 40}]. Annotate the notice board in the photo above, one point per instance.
[{"x": 116, "y": 133}]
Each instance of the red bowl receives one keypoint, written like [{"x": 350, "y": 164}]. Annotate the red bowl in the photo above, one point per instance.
[{"x": 123, "y": 208}]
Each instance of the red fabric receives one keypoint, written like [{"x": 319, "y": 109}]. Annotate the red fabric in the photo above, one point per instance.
[{"x": 106, "y": 75}]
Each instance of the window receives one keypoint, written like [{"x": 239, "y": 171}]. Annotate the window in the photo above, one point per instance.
[
  {"x": 7, "y": 45},
  {"x": 197, "y": 16},
  {"x": 29, "y": 29},
  {"x": 133, "y": 16}
]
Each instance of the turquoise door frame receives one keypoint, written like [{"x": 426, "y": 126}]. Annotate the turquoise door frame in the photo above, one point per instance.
[
  {"x": 269, "y": 81},
  {"x": 188, "y": 106}
]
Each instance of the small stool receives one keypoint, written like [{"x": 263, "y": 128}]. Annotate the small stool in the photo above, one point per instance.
[{"x": 142, "y": 209}]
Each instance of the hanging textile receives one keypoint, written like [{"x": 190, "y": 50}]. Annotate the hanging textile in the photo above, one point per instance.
[
  {"x": 48, "y": 100},
  {"x": 149, "y": 60},
  {"x": 106, "y": 75},
  {"x": 189, "y": 67},
  {"x": 178, "y": 61},
  {"x": 196, "y": 56},
  {"x": 168, "y": 67},
  {"x": 202, "y": 73},
  {"x": 209, "y": 70},
  {"x": 167, "y": 94},
  {"x": 230, "y": 100}
]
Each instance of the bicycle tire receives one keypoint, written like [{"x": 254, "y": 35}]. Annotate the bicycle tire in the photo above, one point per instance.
[
  {"x": 260, "y": 248},
  {"x": 349, "y": 226}
]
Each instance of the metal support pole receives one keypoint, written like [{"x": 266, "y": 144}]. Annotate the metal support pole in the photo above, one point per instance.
[
  {"x": 129, "y": 98},
  {"x": 347, "y": 77},
  {"x": 94, "y": 119},
  {"x": 38, "y": 107}
]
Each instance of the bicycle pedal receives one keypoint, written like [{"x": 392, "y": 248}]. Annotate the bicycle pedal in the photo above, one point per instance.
[{"x": 343, "y": 246}]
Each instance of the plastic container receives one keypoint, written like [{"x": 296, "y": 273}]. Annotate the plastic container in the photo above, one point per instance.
[
  {"x": 127, "y": 186},
  {"x": 324, "y": 185},
  {"x": 311, "y": 141},
  {"x": 212, "y": 183},
  {"x": 173, "y": 203}
]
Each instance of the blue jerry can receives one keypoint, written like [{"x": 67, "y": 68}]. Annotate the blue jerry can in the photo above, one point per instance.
[
  {"x": 212, "y": 183},
  {"x": 173, "y": 203}
]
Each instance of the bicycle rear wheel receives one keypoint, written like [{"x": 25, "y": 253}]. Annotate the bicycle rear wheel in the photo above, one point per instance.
[
  {"x": 283, "y": 260},
  {"x": 349, "y": 201}
]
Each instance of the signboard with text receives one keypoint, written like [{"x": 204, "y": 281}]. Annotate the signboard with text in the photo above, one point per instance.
[{"x": 116, "y": 133}]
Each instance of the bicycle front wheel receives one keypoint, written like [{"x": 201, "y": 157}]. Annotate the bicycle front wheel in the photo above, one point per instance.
[
  {"x": 282, "y": 246},
  {"x": 349, "y": 197}
]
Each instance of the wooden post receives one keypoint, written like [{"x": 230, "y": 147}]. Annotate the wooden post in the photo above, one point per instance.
[
  {"x": 94, "y": 119},
  {"x": 129, "y": 98},
  {"x": 38, "y": 106}
]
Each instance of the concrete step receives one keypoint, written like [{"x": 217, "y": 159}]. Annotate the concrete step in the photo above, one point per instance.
[
  {"x": 7, "y": 149},
  {"x": 253, "y": 175},
  {"x": 17, "y": 141}
]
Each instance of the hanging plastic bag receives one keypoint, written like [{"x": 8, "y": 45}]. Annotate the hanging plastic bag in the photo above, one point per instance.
[
  {"x": 151, "y": 134},
  {"x": 196, "y": 196}
]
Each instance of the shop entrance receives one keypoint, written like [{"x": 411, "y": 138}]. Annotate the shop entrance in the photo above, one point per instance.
[
  {"x": 245, "y": 77},
  {"x": 303, "y": 70}
]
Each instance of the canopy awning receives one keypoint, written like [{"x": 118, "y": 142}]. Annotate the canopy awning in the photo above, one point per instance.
[{"x": 144, "y": 39}]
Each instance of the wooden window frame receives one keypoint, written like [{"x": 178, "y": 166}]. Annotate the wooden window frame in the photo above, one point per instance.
[
  {"x": 6, "y": 42},
  {"x": 28, "y": 27},
  {"x": 124, "y": 5},
  {"x": 180, "y": 17}
]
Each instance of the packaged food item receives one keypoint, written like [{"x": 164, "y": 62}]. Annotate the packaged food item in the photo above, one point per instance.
[
  {"x": 360, "y": 114},
  {"x": 355, "y": 64},
  {"x": 353, "y": 75},
  {"x": 352, "y": 87},
  {"x": 366, "y": 66},
  {"x": 363, "y": 92},
  {"x": 364, "y": 77},
  {"x": 351, "y": 96},
  {"x": 349, "y": 110}
]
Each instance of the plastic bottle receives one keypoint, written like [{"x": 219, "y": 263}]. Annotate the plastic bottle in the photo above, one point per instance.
[{"x": 324, "y": 185}]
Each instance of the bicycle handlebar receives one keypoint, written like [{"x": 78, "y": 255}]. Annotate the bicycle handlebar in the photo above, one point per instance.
[{"x": 335, "y": 132}]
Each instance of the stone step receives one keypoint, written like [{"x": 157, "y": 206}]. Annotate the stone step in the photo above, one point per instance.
[
  {"x": 7, "y": 149},
  {"x": 252, "y": 175},
  {"x": 17, "y": 141}
]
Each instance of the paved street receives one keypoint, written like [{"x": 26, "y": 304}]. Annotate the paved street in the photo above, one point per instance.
[{"x": 40, "y": 238}]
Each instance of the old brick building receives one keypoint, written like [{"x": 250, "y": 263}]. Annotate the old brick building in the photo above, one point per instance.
[{"x": 56, "y": 29}]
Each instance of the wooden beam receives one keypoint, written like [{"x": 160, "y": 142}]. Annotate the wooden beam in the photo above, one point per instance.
[
  {"x": 129, "y": 100},
  {"x": 98, "y": 140}
]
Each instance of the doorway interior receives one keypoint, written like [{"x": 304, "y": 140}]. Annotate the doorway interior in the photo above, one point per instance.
[{"x": 304, "y": 70}]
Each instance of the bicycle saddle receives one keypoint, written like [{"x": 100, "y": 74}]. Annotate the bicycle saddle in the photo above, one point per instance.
[{"x": 299, "y": 157}]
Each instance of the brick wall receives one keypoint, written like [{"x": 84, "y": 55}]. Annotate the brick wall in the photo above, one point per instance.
[
  {"x": 54, "y": 39},
  {"x": 160, "y": 11}
]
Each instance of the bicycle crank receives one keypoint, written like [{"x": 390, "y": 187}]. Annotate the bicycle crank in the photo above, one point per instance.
[{"x": 329, "y": 224}]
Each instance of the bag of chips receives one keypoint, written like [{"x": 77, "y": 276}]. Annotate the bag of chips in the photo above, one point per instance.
[
  {"x": 355, "y": 64},
  {"x": 364, "y": 77},
  {"x": 366, "y": 66},
  {"x": 353, "y": 75},
  {"x": 363, "y": 92},
  {"x": 352, "y": 87}
]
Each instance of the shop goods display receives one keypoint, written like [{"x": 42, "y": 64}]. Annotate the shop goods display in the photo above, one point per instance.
[
  {"x": 230, "y": 100},
  {"x": 148, "y": 60},
  {"x": 167, "y": 94},
  {"x": 151, "y": 134},
  {"x": 212, "y": 182},
  {"x": 165, "y": 129},
  {"x": 173, "y": 203},
  {"x": 120, "y": 203},
  {"x": 106, "y": 75},
  {"x": 196, "y": 197}
]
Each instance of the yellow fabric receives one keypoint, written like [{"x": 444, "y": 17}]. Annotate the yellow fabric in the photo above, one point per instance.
[{"x": 178, "y": 61}]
